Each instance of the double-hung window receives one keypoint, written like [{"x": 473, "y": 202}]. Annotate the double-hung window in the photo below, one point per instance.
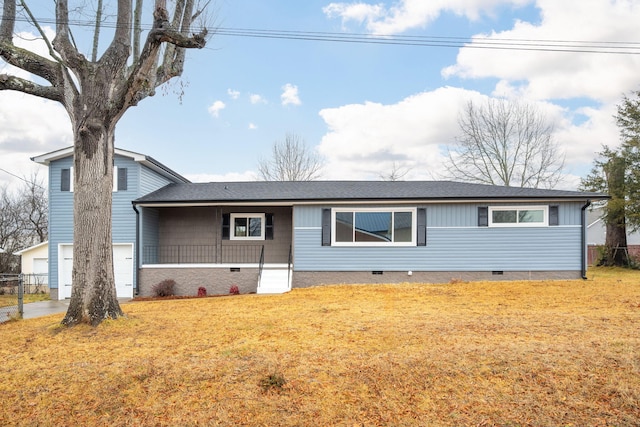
[
  {"x": 373, "y": 227},
  {"x": 247, "y": 226},
  {"x": 518, "y": 216}
]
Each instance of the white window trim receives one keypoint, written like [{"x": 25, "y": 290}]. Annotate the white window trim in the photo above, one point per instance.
[
  {"x": 414, "y": 225},
  {"x": 115, "y": 179},
  {"x": 232, "y": 228},
  {"x": 71, "y": 179},
  {"x": 543, "y": 208}
]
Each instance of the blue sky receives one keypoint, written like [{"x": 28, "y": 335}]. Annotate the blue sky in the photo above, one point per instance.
[{"x": 361, "y": 106}]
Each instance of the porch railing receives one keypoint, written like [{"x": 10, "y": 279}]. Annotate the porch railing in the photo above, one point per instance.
[
  {"x": 289, "y": 262},
  {"x": 201, "y": 254},
  {"x": 261, "y": 266}
]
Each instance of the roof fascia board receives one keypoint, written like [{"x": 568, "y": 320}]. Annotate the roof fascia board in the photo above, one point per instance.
[
  {"x": 350, "y": 202},
  {"x": 47, "y": 158},
  {"x": 30, "y": 248}
]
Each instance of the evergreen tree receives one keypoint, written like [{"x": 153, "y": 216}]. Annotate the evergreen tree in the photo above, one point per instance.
[{"x": 617, "y": 172}]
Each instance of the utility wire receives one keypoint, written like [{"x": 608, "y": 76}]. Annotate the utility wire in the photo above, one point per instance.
[
  {"x": 22, "y": 179},
  {"x": 549, "y": 45}
]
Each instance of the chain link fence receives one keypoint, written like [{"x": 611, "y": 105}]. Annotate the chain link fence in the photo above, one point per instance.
[{"x": 11, "y": 297}]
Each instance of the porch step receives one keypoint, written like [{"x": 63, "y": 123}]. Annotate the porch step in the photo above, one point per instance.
[{"x": 274, "y": 281}]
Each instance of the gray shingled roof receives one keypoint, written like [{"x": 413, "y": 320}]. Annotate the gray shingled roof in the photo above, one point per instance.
[{"x": 307, "y": 191}]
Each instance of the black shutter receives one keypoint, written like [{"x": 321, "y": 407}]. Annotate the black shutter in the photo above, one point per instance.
[
  {"x": 122, "y": 179},
  {"x": 483, "y": 216},
  {"x": 554, "y": 217},
  {"x": 268, "y": 229},
  {"x": 422, "y": 227},
  {"x": 226, "y": 226},
  {"x": 326, "y": 227},
  {"x": 65, "y": 180}
]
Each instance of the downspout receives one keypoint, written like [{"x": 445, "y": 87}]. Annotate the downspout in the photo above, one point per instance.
[
  {"x": 137, "y": 291},
  {"x": 584, "y": 239}
]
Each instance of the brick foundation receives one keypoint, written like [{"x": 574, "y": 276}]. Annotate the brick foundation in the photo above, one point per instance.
[{"x": 217, "y": 281}]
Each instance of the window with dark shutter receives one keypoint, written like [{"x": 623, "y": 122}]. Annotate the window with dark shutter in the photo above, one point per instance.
[
  {"x": 422, "y": 227},
  {"x": 226, "y": 226},
  {"x": 326, "y": 227},
  {"x": 554, "y": 217},
  {"x": 483, "y": 216},
  {"x": 268, "y": 226},
  {"x": 65, "y": 180},
  {"x": 122, "y": 179}
]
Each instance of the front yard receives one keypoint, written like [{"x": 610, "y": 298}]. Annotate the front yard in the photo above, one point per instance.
[
  {"x": 486, "y": 353},
  {"x": 7, "y": 300}
]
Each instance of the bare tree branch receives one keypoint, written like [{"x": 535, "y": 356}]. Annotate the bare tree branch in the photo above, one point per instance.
[
  {"x": 505, "y": 143},
  {"x": 396, "y": 173},
  {"x": 96, "y": 32},
  {"x": 8, "y": 82},
  {"x": 291, "y": 161}
]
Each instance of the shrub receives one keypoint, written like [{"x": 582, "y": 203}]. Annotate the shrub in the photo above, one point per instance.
[
  {"x": 164, "y": 288},
  {"x": 233, "y": 290},
  {"x": 202, "y": 291}
]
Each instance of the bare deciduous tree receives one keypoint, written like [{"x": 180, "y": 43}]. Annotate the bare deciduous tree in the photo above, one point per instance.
[
  {"x": 23, "y": 219},
  {"x": 291, "y": 160},
  {"x": 396, "y": 173},
  {"x": 505, "y": 143},
  {"x": 96, "y": 94}
]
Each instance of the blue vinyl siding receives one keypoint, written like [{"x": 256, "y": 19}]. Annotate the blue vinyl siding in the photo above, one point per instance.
[
  {"x": 60, "y": 216},
  {"x": 454, "y": 243},
  {"x": 149, "y": 227},
  {"x": 150, "y": 181},
  {"x": 140, "y": 181},
  {"x": 443, "y": 215}
]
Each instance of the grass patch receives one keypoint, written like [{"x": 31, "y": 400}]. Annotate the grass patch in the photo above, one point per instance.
[
  {"x": 9, "y": 300},
  {"x": 479, "y": 353}
]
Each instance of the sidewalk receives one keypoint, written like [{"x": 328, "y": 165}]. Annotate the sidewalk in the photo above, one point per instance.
[{"x": 44, "y": 308}]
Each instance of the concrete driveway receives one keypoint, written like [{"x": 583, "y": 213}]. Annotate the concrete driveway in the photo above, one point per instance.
[{"x": 44, "y": 308}]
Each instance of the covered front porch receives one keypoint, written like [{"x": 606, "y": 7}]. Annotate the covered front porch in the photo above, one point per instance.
[{"x": 215, "y": 247}]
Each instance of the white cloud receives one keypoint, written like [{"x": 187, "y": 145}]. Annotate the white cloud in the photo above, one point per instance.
[
  {"x": 290, "y": 95},
  {"x": 215, "y": 108},
  {"x": 254, "y": 98},
  {"x": 253, "y": 126},
  {"x": 561, "y": 75},
  {"x": 233, "y": 94},
  {"x": 404, "y": 15},
  {"x": 367, "y": 140},
  {"x": 359, "y": 12},
  {"x": 227, "y": 177},
  {"x": 30, "y": 126}
]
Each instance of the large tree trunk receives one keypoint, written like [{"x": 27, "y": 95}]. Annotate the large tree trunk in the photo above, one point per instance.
[
  {"x": 96, "y": 94},
  {"x": 93, "y": 296},
  {"x": 615, "y": 253}
]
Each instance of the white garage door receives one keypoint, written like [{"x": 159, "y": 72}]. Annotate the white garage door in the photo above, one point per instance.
[
  {"x": 41, "y": 270},
  {"x": 122, "y": 268}
]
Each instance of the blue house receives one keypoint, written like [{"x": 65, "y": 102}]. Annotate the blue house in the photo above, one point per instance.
[
  {"x": 134, "y": 176},
  {"x": 269, "y": 237}
]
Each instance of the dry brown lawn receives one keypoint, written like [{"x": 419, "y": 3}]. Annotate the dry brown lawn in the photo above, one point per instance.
[{"x": 551, "y": 353}]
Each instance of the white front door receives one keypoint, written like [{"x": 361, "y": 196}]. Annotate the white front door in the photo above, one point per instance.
[{"x": 122, "y": 268}]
